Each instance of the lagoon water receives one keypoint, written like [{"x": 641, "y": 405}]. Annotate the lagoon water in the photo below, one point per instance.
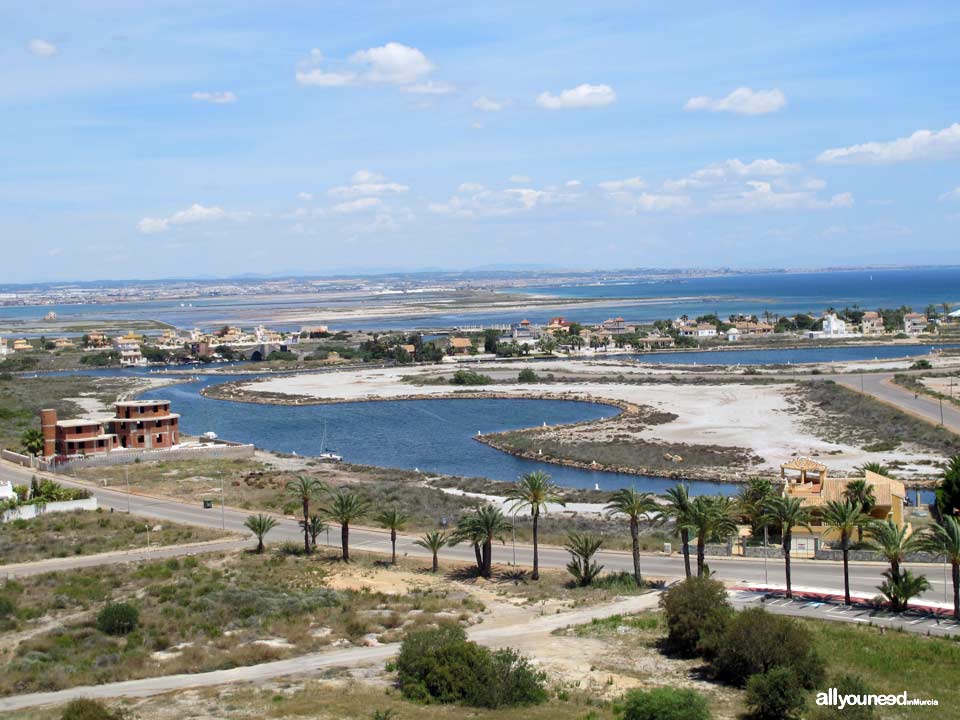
[
  {"x": 784, "y": 356},
  {"x": 434, "y": 436}
]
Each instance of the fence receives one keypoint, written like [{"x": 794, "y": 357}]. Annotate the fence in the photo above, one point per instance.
[
  {"x": 10, "y": 456},
  {"x": 28, "y": 512}
]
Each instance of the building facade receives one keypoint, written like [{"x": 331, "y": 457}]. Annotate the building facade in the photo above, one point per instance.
[{"x": 137, "y": 424}]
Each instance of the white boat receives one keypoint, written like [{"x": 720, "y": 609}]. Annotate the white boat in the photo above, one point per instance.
[{"x": 330, "y": 456}]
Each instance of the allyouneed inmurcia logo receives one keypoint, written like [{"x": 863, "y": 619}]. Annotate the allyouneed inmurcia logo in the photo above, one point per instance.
[{"x": 833, "y": 698}]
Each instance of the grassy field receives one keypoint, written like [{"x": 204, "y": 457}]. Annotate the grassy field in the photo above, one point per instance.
[
  {"x": 848, "y": 416},
  {"x": 203, "y": 614},
  {"x": 22, "y": 398},
  {"x": 59, "y": 535}
]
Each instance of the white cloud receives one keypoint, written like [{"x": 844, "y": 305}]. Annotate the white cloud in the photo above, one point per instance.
[
  {"x": 486, "y": 104},
  {"x": 196, "y": 213},
  {"x": 474, "y": 201},
  {"x": 582, "y": 96},
  {"x": 469, "y": 187},
  {"x": 42, "y": 48},
  {"x": 759, "y": 195},
  {"x": 520, "y": 179},
  {"x": 367, "y": 183},
  {"x": 650, "y": 202},
  {"x": 920, "y": 145},
  {"x": 393, "y": 63},
  {"x": 951, "y": 195},
  {"x": 634, "y": 183},
  {"x": 305, "y": 196},
  {"x": 217, "y": 97},
  {"x": 430, "y": 87},
  {"x": 742, "y": 101},
  {"x": 728, "y": 170},
  {"x": 364, "y": 204},
  {"x": 572, "y": 183}
]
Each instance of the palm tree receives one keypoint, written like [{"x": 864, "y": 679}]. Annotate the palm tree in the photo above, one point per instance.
[
  {"x": 898, "y": 589},
  {"x": 678, "y": 506},
  {"x": 304, "y": 489},
  {"x": 393, "y": 520},
  {"x": 534, "y": 490},
  {"x": 860, "y": 492},
  {"x": 948, "y": 489},
  {"x": 582, "y": 548},
  {"x": 944, "y": 539},
  {"x": 893, "y": 542},
  {"x": 433, "y": 541},
  {"x": 875, "y": 467},
  {"x": 788, "y": 513},
  {"x": 634, "y": 505},
  {"x": 314, "y": 527},
  {"x": 32, "y": 441},
  {"x": 260, "y": 525},
  {"x": 486, "y": 524},
  {"x": 345, "y": 506},
  {"x": 711, "y": 518},
  {"x": 844, "y": 517},
  {"x": 751, "y": 501}
]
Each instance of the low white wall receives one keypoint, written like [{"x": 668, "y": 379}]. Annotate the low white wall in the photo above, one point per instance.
[
  {"x": 212, "y": 451},
  {"x": 28, "y": 512},
  {"x": 17, "y": 458}
]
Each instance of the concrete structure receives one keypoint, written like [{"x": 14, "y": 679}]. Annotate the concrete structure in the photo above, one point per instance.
[
  {"x": 6, "y": 491},
  {"x": 915, "y": 323},
  {"x": 747, "y": 327},
  {"x": 733, "y": 334},
  {"x": 128, "y": 347},
  {"x": 871, "y": 323},
  {"x": 699, "y": 330},
  {"x": 145, "y": 424},
  {"x": 524, "y": 332},
  {"x": 137, "y": 424},
  {"x": 4, "y": 349},
  {"x": 22, "y": 345},
  {"x": 815, "y": 489}
]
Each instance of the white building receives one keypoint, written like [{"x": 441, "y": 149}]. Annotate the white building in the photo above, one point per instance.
[
  {"x": 914, "y": 323},
  {"x": 4, "y": 350},
  {"x": 733, "y": 335},
  {"x": 833, "y": 327},
  {"x": 6, "y": 491}
]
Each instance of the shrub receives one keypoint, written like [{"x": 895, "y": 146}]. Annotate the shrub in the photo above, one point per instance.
[
  {"x": 846, "y": 685},
  {"x": 696, "y": 612},
  {"x": 775, "y": 695},
  {"x": 665, "y": 703},
  {"x": 118, "y": 619},
  {"x": 469, "y": 377},
  {"x": 527, "y": 376},
  {"x": 83, "y": 709},
  {"x": 441, "y": 665},
  {"x": 756, "y": 642},
  {"x": 7, "y": 608}
]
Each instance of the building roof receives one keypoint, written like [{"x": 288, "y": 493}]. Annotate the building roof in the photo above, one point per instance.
[
  {"x": 141, "y": 403},
  {"x": 461, "y": 342},
  {"x": 803, "y": 463},
  {"x": 78, "y": 423},
  {"x": 169, "y": 416}
]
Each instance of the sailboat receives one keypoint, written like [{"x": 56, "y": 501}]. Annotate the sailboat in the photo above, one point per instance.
[{"x": 328, "y": 455}]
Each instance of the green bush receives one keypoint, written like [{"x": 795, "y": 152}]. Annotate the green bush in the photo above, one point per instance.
[
  {"x": 846, "y": 685},
  {"x": 775, "y": 695},
  {"x": 469, "y": 377},
  {"x": 7, "y": 608},
  {"x": 528, "y": 376},
  {"x": 441, "y": 665},
  {"x": 118, "y": 619},
  {"x": 696, "y": 612},
  {"x": 665, "y": 703},
  {"x": 84, "y": 709},
  {"x": 756, "y": 641}
]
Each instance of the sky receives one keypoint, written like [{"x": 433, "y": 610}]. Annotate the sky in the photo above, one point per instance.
[{"x": 177, "y": 139}]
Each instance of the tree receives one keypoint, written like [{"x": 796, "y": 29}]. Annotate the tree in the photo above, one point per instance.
[
  {"x": 260, "y": 525},
  {"x": 534, "y": 491},
  {"x": 32, "y": 441},
  {"x": 663, "y": 703},
  {"x": 634, "y": 506},
  {"x": 678, "y": 504},
  {"x": 875, "y": 467},
  {"x": 345, "y": 506},
  {"x": 900, "y": 588},
  {"x": 788, "y": 513},
  {"x": 485, "y": 525},
  {"x": 118, "y": 619},
  {"x": 304, "y": 489},
  {"x": 944, "y": 539},
  {"x": 433, "y": 541},
  {"x": 696, "y": 611},
  {"x": 775, "y": 695},
  {"x": 948, "y": 489},
  {"x": 860, "y": 492},
  {"x": 751, "y": 500},
  {"x": 393, "y": 520},
  {"x": 892, "y": 542},
  {"x": 527, "y": 375},
  {"x": 711, "y": 518},
  {"x": 844, "y": 517},
  {"x": 314, "y": 527},
  {"x": 582, "y": 547}
]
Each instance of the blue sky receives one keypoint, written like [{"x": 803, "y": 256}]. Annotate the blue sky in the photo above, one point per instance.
[{"x": 157, "y": 139}]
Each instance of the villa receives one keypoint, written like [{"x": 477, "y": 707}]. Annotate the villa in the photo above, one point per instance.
[
  {"x": 871, "y": 323},
  {"x": 815, "y": 488},
  {"x": 915, "y": 323}
]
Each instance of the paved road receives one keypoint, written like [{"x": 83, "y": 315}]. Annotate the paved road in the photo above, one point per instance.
[
  {"x": 810, "y": 573},
  {"x": 881, "y": 386},
  {"x": 519, "y": 630}
]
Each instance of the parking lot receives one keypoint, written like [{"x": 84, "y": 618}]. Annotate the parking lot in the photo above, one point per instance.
[{"x": 915, "y": 621}]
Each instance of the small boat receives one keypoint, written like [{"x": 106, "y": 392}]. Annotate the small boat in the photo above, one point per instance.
[{"x": 330, "y": 456}]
